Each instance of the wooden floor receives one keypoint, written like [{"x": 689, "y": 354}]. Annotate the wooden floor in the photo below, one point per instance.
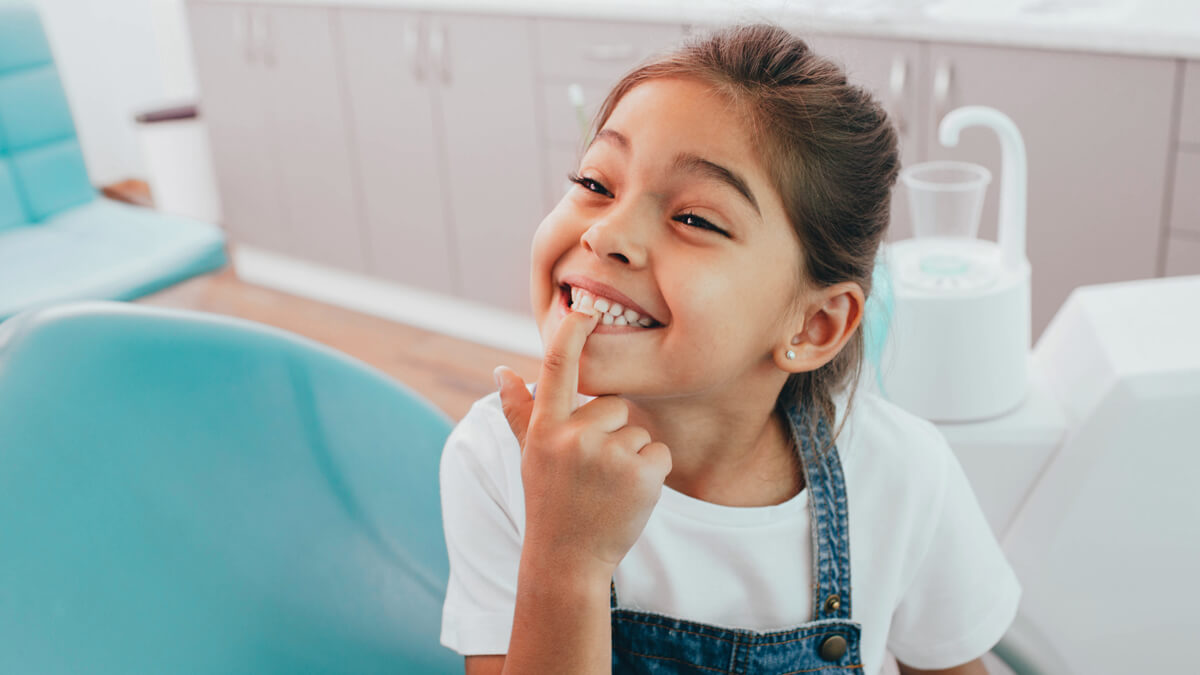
[{"x": 451, "y": 373}]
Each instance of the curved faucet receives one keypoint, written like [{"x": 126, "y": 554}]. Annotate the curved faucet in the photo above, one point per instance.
[{"x": 1014, "y": 172}]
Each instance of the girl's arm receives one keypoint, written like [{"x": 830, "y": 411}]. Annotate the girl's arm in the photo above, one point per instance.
[
  {"x": 561, "y": 623},
  {"x": 975, "y": 667}
]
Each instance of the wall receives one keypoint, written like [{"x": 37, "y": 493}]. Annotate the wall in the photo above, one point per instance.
[{"x": 117, "y": 58}]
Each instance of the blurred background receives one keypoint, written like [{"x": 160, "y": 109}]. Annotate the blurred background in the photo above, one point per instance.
[{"x": 368, "y": 174}]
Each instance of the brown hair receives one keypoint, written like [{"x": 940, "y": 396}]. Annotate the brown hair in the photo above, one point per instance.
[{"x": 831, "y": 152}]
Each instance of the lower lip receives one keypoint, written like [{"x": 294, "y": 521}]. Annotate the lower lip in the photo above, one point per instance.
[{"x": 563, "y": 308}]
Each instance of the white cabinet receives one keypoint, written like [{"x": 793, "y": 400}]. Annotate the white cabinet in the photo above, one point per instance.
[
  {"x": 490, "y": 130},
  {"x": 273, "y": 99},
  {"x": 395, "y": 138},
  {"x": 232, "y": 75}
]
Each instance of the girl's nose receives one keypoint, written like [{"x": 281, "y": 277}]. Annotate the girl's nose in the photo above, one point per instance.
[{"x": 616, "y": 240}]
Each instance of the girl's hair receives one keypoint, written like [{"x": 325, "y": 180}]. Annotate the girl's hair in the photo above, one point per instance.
[{"x": 831, "y": 153}]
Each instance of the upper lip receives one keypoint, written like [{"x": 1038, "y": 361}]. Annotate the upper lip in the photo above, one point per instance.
[{"x": 604, "y": 290}]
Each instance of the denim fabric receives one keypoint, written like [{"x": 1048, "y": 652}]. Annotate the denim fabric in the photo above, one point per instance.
[{"x": 644, "y": 642}]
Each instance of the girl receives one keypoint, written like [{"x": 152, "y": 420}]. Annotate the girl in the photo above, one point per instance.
[{"x": 691, "y": 490}]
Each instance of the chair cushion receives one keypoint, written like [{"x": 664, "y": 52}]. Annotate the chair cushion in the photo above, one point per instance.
[{"x": 103, "y": 250}]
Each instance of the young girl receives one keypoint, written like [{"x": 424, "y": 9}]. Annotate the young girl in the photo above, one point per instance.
[{"x": 688, "y": 488}]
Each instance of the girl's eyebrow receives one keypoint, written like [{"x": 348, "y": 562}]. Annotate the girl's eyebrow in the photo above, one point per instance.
[{"x": 689, "y": 163}]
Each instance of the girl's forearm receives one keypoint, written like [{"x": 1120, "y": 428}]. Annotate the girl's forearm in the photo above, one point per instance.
[{"x": 561, "y": 622}]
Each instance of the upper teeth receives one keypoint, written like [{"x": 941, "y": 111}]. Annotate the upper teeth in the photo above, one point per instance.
[{"x": 612, "y": 313}]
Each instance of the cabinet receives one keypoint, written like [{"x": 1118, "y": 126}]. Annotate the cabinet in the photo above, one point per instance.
[
  {"x": 445, "y": 132},
  {"x": 1183, "y": 231},
  {"x": 273, "y": 101},
  {"x": 1097, "y": 161},
  {"x": 394, "y": 123}
]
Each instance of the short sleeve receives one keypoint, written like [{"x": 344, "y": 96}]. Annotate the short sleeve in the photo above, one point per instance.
[
  {"x": 963, "y": 595},
  {"x": 482, "y": 538}
]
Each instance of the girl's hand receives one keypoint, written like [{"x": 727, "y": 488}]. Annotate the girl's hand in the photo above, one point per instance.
[{"x": 590, "y": 480}]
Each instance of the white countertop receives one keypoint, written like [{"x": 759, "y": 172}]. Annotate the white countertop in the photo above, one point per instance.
[{"x": 1156, "y": 28}]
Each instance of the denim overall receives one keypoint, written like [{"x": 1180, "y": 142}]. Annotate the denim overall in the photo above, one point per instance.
[{"x": 653, "y": 643}]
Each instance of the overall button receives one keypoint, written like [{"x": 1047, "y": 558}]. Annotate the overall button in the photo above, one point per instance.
[
  {"x": 832, "y": 604},
  {"x": 833, "y": 648}
]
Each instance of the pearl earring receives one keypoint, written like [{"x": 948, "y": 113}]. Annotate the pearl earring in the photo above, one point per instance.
[{"x": 790, "y": 354}]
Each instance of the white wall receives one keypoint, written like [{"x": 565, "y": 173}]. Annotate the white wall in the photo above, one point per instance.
[{"x": 117, "y": 58}]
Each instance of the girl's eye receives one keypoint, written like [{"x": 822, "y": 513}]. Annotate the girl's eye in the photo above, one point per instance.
[
  {"x": 694, "y": 220},
  {"x": 689, "y": 219},
  {"x": 589, "y": 184}
]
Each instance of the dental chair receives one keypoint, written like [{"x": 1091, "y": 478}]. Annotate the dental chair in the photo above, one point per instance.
[
  {"x": 188, "y": 493},
  {"x": 59, "y": 240}
]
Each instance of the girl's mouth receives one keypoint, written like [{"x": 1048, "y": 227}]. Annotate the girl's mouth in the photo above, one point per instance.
[{"x": 614, "y": 317}]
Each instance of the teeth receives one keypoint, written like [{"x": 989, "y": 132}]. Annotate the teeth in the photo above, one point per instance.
[{"x": 612, "y": 313}]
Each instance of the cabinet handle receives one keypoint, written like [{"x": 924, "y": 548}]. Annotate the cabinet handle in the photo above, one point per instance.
[
  {"x": 241, "y": 34},
  {"x": 437, "y": 49},
  {"x": 268, "y": 43},
  {"x": 412, "y": 45},
  {"x": 617, "y": 52},
  {"x": 896, "y": 84},
  {"x": 941, "y": 91}
]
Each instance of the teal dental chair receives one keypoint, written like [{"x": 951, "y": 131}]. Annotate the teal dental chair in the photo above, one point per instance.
[
  {"x": 58, "y": 240},
  {"x": 188, "y": 493}
]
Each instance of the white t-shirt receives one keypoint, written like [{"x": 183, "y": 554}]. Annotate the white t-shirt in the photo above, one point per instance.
[{"x": 929, "y": 581}]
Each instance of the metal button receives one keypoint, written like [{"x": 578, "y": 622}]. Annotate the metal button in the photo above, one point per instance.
[
  {"x": 833, "y": 648},
  {"x": 832, "y": 604}
]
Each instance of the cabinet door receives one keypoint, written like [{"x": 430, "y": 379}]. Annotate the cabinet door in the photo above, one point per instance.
[
  {"x": 893, "y": 71},
  {"x": 231, "y": 77},
  {"x": 1097, "y": 137},
  {"x": 487, "y": 101},
  {"x": 310, "y": 134},
  {"x": 395, "y": 139}
]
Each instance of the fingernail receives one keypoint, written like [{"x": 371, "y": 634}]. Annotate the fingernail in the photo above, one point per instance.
[{"x": 496, "y": 376}]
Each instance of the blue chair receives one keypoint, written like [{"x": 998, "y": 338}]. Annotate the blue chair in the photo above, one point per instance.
[
  {"x": 188, "y": 493},
  {"x": 58, "y": 240}
]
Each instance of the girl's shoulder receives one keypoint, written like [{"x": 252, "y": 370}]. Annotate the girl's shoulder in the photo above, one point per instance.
[{"x": 882, "y": 441}]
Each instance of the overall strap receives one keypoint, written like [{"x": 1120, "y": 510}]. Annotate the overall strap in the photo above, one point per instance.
[{"x": 828, "y": 512}]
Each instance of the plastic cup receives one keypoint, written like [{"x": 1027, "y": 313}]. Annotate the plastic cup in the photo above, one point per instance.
[{"x": 945, "y": 199}]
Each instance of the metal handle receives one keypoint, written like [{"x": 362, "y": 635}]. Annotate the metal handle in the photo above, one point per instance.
[
  {"x": 412, "y": 46},
  {"x": 617, "y": 52},
  {"x": 896, "y": 84},
  {"x": 437, "y": 50},
  {"x": 941, "y": 90},
  {"x": 242, "y": 33}
]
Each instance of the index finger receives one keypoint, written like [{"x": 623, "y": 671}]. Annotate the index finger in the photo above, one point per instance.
[{"x": 558, "y": 383}]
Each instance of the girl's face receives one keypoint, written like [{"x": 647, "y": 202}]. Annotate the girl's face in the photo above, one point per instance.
[{"x": 672, "y": 211}]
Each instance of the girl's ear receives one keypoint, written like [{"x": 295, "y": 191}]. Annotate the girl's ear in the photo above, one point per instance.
[{"x": 832, "y": 318}]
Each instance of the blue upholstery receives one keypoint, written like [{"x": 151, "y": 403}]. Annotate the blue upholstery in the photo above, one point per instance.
[
  {"x": 58, "y": 241},
  {"x": 183, "y": 492}
]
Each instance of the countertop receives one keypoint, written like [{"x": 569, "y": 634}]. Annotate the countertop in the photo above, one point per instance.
[{"x": 1152, "y": 28}]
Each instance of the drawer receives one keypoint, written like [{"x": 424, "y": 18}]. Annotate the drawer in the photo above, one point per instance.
[
  {"x": 599, "y": 50},
  {"x": 1185, "y": 199},
  {"x": 562, "y": 123},
  {"x": 1189, "y": 122},
  {"x": 1183, "y": 255}
]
